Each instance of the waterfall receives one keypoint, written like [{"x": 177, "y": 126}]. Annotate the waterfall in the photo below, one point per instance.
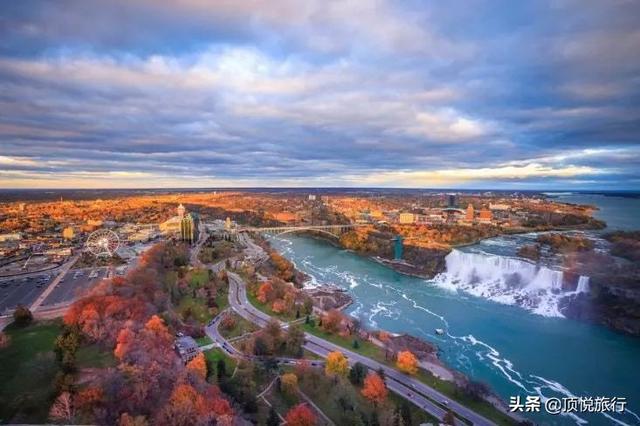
[
  {"x": 583, "y": 284},
  {"x": 506, "y": 280}
]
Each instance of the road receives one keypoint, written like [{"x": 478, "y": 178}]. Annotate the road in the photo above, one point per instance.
[
  {"x": 211, "y": 330},
  {"x": 415, "y": 391}
]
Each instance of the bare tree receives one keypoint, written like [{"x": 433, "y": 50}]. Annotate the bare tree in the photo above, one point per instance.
[{"x": 62, "y": 410}]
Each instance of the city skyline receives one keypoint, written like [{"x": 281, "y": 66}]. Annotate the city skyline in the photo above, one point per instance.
[{"x": 526, "y": 96}]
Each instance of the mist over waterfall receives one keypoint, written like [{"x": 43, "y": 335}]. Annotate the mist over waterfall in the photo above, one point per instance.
[{"x": 507, "y": 280}]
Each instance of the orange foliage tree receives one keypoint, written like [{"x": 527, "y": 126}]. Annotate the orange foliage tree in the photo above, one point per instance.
[
  {"x": 300, "y": 415},
  {"x": 336, "y": 365},
  {"x": 198, "y": 365},
  {"x": 289, "y": 382},
  {"x": 332, "y": 321},
  {"x": 278, "y": 306},
  {"x": 265, "y": 292},
  {"x": 374, "y": 388},
  {"x": 407, "y": 362}
]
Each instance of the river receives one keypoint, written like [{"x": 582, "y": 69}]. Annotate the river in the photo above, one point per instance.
[{"x": 516, "y": 351}]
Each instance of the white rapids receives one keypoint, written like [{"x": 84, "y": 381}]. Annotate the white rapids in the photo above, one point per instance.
[{"x": 507, "y": 280}]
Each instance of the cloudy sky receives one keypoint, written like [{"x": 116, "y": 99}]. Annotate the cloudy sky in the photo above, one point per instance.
[{"x": 475, "y": 94}]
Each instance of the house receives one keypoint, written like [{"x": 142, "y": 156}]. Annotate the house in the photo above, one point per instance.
[{"x": 187, "y": 348}]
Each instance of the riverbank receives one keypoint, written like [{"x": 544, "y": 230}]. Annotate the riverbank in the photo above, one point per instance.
[{"x": 515, "y": 352}]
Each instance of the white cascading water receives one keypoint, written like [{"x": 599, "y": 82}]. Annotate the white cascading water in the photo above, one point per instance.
[
  {"x": 583, "y": 285},
  {"x": 507, "y": 280}
]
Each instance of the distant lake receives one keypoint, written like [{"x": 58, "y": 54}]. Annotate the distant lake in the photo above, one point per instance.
[{"x": 620, "y": 213}]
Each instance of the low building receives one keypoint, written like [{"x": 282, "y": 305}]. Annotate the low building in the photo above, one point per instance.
[
  {"x": 10, "y": 237},
  {"x": 68, "y": 233},
  {"x": 187, "y": 348},
  {"x": 485, "y": 216},
  {"x": 406, "y": 218}
]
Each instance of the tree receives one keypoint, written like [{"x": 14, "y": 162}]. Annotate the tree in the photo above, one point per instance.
[
  {"x": 22, "y": 316},
  {"x": 405, "y": 412},
  {"x": 374, "y": 389},
  {"x": 300, "y": 415},
  {"x": 273, "y": 419},
  {"x": 62, "y": 410},
  {"x": 265, "y": 292},
  {"x": 289, "y": 383},
  {"x": 332, "y": 321},
  {"x": 307, "y": 305},
  {"x": 278, "y": 306},
  {"x": 128, "y": 420},
  {"x": 407, "y": 362},
  {"x": 221, "y": 368},
  {"x": 337, "y": 364},
  {"x": 357, "y": 373},
  {"x": 295, "y": 340},
  {"x": 198, "y": 365},
  {"x": 356, "y": 344},
  {"x": 449, "y": 418},
  {"x": 5, "y": 340}
]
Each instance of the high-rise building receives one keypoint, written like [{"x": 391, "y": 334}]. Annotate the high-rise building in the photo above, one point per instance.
[
  {"x": 470, "y": 213},
  {"x": 451, "y": 200},
  {"x": 181, "y": 211},
  {"x": 189, "y": 228}
]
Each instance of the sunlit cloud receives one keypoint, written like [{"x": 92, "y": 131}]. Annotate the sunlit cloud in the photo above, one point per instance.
[{"x": 301, "y": 93}]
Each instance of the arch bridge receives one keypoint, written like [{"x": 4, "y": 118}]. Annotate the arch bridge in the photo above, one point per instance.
[{"x": 332, "y": 230}]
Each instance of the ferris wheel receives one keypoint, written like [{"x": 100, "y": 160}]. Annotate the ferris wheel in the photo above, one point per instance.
[{"x": 103, "y": 242}]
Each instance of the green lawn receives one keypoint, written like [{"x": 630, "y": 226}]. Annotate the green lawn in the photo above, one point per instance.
[
  {"x": 374, "y": 352},
  {"x": 213, "y": 355},
  {"x": 27, "y": 370},
  {"x": 204, "y": 340},
  {"x": 241, "y": 327},
  {"x": 92, "y": 356},
  {"x": 222, "y": 298},
  {"x": 199, "y": 277},
  {"x": 197, "y": 308}
]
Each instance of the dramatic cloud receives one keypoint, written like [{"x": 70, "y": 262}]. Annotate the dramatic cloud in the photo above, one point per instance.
[{"x": 314, "y": 93}]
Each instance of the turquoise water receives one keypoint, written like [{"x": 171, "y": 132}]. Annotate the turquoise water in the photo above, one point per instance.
[{"x": 513, "y": 350}]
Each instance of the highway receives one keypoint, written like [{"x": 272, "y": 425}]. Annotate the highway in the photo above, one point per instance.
[{"x": 417, "y": 392}]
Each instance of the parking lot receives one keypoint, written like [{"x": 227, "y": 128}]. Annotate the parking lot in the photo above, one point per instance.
[
  {"x": 25, "y": 290},
  {"x": 22, "y": 290},
  {"x": 76, "y": 282}
]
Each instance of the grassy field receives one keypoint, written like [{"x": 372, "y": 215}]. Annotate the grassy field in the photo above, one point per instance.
[
  {"x": 213, "y": 355},
  {"x": 222, "y": 298},
  {"x": 92, "y": 356},
  {"x": 203, "y": 341},
  {"x": 197, "y": 308},
  {"x": 27, "y": 370},
  {"x": 372, "y": 351}
]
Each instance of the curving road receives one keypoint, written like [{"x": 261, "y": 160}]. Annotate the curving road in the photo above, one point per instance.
[{"x": 406, "y": 386}]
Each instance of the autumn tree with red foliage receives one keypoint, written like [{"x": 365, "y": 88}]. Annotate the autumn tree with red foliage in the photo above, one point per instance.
[
  {"x": 300, "y": 415},
  {"x": 124, "y": 313},
  {"x": 374, "y": 388},
  {"x": 265, "y": 292}
]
